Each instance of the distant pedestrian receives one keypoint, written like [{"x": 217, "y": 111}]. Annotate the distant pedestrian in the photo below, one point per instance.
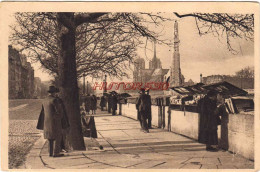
[
  {"x": 149, "y": 110},
  {"x": 103, "y": 102},
  {"x": 87, "y": 103},
  {"x": 114, "y": 103},
  {"x": 93, "y": 104},
  {"x": 209, "y": 120},
  {"x": 52, "y": 122},
  {"x": 142, "y": 107}
]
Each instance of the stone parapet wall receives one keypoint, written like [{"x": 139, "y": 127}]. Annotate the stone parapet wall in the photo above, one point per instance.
[{"x": 237, "y": 132}]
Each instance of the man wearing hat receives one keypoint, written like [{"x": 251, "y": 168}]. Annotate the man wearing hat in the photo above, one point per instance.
[
  {"x": 52, "y": 122},
  {"x": 114, "y": 102},
  {"x": 208, "y": 122},
  {"x": 142, "y": 107}
]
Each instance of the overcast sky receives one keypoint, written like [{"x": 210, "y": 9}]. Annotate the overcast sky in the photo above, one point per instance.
[{"x": 198, "y": 54}]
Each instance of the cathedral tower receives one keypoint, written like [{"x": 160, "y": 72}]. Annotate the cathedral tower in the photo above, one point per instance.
[
  {"x": 155, "y": 63},
  {"x": 176, "y": 77}
]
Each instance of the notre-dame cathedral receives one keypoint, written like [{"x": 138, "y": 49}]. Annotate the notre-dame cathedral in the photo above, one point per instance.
[{"x": 156, "y": 73}]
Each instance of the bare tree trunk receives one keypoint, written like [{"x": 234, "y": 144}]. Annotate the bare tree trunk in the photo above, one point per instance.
[{"x": 68, "y": 78}]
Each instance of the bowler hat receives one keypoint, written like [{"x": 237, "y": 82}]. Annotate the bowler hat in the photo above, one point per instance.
[{"x": 53, "y": 89}]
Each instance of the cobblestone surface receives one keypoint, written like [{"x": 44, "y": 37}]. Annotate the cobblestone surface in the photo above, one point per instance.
[
  {"x": 22, "y": 135},
  {"x": 30, "y": 111}
]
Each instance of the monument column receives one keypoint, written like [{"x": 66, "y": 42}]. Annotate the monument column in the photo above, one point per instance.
[{"x": 175, "y": 66}]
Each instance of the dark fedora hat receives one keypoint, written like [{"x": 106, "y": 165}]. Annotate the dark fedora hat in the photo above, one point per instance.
[{"x": 53, "y": 89}]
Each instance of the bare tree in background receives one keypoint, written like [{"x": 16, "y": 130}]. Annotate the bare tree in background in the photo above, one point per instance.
[
  {"x": 247, "y": 72},
  {"x": 230, "y": 26},
  {"x": 107, "y": 45},
  {"x": 71, "y": 44}
]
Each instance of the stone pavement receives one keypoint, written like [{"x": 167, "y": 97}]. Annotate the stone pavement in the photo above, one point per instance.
[{"x": 125, "y": 146}]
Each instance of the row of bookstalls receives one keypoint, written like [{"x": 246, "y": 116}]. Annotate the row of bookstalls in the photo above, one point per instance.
[
  {"x": 186, "y": 98},
  {"x": 178, "y": 113}
]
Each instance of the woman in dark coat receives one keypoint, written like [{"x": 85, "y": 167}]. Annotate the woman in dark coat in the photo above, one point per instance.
[{"x": 208, "y": 125}]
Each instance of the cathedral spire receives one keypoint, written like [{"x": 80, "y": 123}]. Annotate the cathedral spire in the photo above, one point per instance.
[{"x": 176, "y": 79}]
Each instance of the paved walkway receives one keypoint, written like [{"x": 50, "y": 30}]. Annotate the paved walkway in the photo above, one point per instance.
[{"x": 125, "y": 146}]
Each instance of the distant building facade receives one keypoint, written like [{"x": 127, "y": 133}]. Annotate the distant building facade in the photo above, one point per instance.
[
  {"x": 156, "y": 73},
  {"x": 243, "y": 83},
  {"x": 21, "y": 75}
]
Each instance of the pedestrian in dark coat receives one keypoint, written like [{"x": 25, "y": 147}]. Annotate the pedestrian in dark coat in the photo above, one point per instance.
[
  {"x": 52, "y": 122},
  {"x": 87, "y": 103},
  {"x": 209, "y": 120},
  {"x": 114, "y": 103},
  {"x": 93, "y": 103},
  {"x": 142, "y": 107},
  {"x": 103, "y": 103}
]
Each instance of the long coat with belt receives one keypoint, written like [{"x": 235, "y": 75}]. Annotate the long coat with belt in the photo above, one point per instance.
[{"x": 52, "y": 118}]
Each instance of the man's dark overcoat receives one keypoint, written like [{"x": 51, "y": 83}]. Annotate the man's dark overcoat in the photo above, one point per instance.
[
  {"x": 143, "y": 105},
  {"x": 52, "y": 118},
  {"x": 208, "y": 122},
  {"x": 61, "y": 108}
]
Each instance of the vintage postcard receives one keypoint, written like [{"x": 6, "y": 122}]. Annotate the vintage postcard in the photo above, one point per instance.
[{"x": 129, "y": 85}]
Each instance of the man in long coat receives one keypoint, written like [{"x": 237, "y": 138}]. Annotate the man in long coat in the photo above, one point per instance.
[
  {"x": 114, "y": 103},
  {"x": 208, "y": 123},
  {"x": 52, "y": 122},
  {"x": 142, "y": 107}
]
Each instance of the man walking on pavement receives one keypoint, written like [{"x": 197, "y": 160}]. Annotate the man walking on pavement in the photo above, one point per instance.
[
  {"x": 142, "y": 107},
  {"x": 114, "y": 103},
  {"x": 52, "y": 124}
]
